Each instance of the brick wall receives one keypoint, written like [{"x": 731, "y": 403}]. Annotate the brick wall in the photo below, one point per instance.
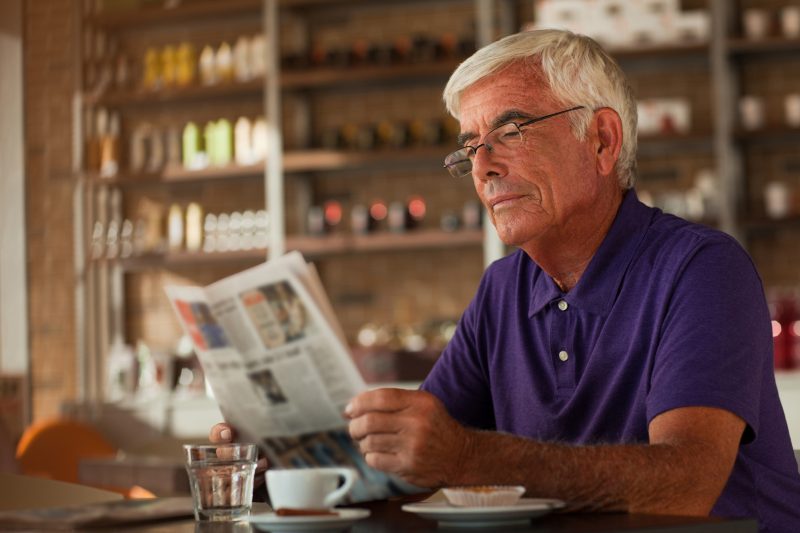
[{"x": 50, "y": 76}]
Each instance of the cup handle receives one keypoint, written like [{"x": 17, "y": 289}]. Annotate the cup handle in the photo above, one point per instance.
[{"x": 349, "y": 476}]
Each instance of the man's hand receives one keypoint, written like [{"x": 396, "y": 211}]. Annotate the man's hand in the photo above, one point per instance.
[
  {"x": 223, "y": 433},
  {"x": 410, "y": 434}
]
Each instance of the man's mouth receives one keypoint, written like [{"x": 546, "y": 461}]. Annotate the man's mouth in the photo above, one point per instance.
[{"x": 506, "y": 200}]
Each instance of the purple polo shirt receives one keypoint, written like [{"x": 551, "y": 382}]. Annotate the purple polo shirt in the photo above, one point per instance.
[{"x": 668, "y": 314}]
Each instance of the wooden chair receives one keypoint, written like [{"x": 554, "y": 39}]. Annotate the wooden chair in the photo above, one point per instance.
[{"x": 53, "y": 448}]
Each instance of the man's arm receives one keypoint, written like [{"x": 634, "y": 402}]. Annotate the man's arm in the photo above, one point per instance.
[{"x": 682, "y": 471}]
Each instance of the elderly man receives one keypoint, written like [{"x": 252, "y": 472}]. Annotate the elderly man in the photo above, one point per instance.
[{"x": 621, "y": 359}]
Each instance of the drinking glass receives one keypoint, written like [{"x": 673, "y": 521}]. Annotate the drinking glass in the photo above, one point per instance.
[{"x": 221, "y": 478}]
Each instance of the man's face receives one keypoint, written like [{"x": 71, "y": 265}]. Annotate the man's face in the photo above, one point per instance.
[{"x": 533, "y": 193}]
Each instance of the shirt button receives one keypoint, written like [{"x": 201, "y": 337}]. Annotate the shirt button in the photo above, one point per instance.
[
  {"x": 563, "y": 305},
  {"x": 563, "y": 355}
]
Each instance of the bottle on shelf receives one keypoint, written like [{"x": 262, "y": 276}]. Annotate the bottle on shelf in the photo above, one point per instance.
[
  {"x": 243, "y": 141},
  {"x": 260, "y": 142},
  {"x": 315, "y": 219},
  {"x": 207, "y": 66},
  {"x": 785, "y": 330},
  {"x": 210, "y": 233},
  {"x": 151, "y": 76},
  {"x": 126, "y": 237},
  {"x": 223, "y": 63},
  {"x": 112, "y": 239},
  {"x": 377, "y": 214},
  {"x": 397, "y": 217},
  {"x": 109, "y": 147},
  {"x": 98, "y": 243},
  {"x": 193, "y": 155},
  {"x": 241, "y": 59},
  {"x": 157, "y": 151},
  {"x": 390, "y": 134},
  {"x": 194, "y": 227},
  {"x": 185, "y": 64},
  {"x": 416, "y": 208},
  {"x": 258, "y": 56},
  {"x": 359, "y": 219},
  {"x": 221, "y": 153},
  {"x": 175, "y": 228},
  {"x": 168, "y": 66},
  {"x": 332, "y": 214}
]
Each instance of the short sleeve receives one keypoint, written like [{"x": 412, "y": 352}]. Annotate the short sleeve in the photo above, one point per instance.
[
  {"x": 460, "y": 377},
  {"x": 716, "y": 340}
]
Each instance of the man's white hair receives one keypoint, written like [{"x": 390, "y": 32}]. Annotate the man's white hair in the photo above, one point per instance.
[{"x": 578, "y": 71}]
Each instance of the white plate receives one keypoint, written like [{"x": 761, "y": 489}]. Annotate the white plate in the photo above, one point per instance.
[
  {"x": 450, "y": 516},
  {"x": 273, "y": 522}
]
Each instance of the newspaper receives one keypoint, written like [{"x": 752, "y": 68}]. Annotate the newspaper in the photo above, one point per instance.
[
  {"x": 103, "y": 514},
  {"x": 275, "y": 357}
]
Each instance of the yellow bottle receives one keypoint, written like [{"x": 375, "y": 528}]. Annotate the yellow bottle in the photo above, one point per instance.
[
  {"x": 185, "y": 64},
  {"x": 168, "y": 66}
]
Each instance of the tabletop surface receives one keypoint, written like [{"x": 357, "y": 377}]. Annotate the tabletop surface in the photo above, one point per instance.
[{"x": 387, "y": 517}]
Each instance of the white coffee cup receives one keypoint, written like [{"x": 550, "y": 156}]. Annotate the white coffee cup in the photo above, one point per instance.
[{"x": 309, "y": 488}]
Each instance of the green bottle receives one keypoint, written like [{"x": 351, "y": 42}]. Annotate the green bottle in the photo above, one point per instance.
[
  {"x": 191, "y": 146},
  {"x": 223, "y": 143}
]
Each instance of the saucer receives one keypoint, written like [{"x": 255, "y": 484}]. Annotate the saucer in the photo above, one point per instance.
[
  {"x": 520, "y": 513},
  {"x": 278, "y": 524}
]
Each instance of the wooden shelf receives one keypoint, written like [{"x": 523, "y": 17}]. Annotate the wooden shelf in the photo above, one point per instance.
[
  {"x": 311, "y": 247},
  {"x": 384, "y": 241},
  {"x": 293, "y": 162},
  {"x": 326, "y": 77},
  {"x": 767, "y": 45},
  {"x": 192, "y": 93},
  {"x": 325, "y": 160},
  {"x": 180, "y": 175},
  {"x": 657, "y": 145},
  {"x": 769, "y": 225},
  {"x": 148, "y": 17},
  {"x": 190, "y": 259},
  {"x": 660, "y": 51},
  {"x": 769, "y": 134}
]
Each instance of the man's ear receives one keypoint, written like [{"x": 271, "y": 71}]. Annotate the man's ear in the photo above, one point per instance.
[{"x": 608, "y": 138}]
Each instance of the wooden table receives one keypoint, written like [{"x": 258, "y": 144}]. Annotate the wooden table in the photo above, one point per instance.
[{"x": 387, "y": 517}]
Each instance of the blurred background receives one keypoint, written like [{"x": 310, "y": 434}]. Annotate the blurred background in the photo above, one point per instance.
[{"x": 146, "y": 142}]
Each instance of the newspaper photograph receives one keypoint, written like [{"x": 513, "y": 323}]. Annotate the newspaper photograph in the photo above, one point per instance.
[{"x": 277, "y": 362}]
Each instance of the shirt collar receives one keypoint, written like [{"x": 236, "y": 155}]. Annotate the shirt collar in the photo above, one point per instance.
[{"x": 599, "y": 283}]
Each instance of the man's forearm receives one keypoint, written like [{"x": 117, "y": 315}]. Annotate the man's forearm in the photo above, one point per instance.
[{"x": 660, "y": 478}]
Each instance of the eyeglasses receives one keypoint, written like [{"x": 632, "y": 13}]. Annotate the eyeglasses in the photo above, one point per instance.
[{"x": 501, "y": 141}]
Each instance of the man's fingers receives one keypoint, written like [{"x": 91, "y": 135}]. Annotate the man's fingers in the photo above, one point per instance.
[
  {"x": 374, "y": 422},
  {"x": 221, "y": 433},
  {"x": 380, "y": 444},
  {"x": 386, "y": 400},
  {"x": 385, "y": 462}
]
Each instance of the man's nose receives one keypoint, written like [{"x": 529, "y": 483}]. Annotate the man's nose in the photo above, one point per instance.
[{"x": 485, "y": 164}]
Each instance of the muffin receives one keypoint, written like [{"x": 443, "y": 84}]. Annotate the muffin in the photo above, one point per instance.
[{"x": 484, "y": 496}]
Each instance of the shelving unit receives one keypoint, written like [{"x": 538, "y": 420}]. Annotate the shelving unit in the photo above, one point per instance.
[
  {"x": 301, "y": 168},
  {"x": 308, "y": 98}
]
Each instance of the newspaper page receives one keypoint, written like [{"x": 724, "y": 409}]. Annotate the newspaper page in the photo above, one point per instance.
[
  {"x": 277, "y": 363},
  {"x": 104, "y": 514}
]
